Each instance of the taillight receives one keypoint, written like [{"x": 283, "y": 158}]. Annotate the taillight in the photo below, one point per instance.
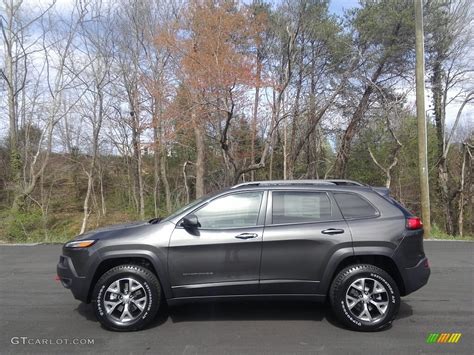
[{"x": 414, "y": 223}]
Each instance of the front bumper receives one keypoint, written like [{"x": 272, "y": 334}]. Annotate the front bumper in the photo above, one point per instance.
[{"x": 69, "y": 278}]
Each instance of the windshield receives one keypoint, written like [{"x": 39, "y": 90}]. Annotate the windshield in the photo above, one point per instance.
[{"x": 184, "y": 208}]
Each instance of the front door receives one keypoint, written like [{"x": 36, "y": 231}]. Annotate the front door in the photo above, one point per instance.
[{"x": 222, "y": 256}]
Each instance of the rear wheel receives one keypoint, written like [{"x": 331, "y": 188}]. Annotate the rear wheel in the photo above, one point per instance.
[
  {"x": 364, "y": 297},
  {"x": 126, "y": 298}
]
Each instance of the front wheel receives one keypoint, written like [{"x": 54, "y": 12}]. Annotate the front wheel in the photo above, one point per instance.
[
  {"x": 364, "y": 297},
  {"x": 126, "y": 298}
]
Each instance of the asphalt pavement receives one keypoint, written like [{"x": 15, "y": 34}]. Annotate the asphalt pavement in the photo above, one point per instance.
[{"x": 37, "y": 315}]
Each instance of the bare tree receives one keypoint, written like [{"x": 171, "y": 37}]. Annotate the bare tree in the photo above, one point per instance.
[
  {"x": 56, "y": 51},
  {"x": 450, "y": 66},
  {"x": 129, "y": 55},
  {"x": 156, "y": 76},
  {"x": 97, "y": 40},
  {"x": 16, "y": 25},
  {"x": 391, "y": 110}
]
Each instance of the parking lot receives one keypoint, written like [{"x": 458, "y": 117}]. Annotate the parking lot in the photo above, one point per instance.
[{"x": 37, "y": 315}]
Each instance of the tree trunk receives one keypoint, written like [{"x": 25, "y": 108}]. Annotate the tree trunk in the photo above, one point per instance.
[
  {"x": 291, "y": 162},
  {"x": 156, "y": 162},
  {"x": 439, "y": 116},
  {"x": 137, "y": 155},
  {"x": 200, "y": 157},
  {"x": 86, "y": 203},
  {"x": 461, "y": 192},
  {"x": 140, "y": 185},
  {"x": 445, "y": 195},
  {"x": 96, "y": 124},
  {"x": 255, "y": 114},
  {"x": 102, "y": 192},
  {"x": 164, "y": 177},
  {"x": 185, "y": 178},
  {"x": 354, "y": 125},
  {"x": 437, "y": 92},
  {"x": 285, "y": 141}
]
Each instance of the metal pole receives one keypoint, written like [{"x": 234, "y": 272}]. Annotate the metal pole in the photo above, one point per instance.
[{"x": 421, "y": 118}]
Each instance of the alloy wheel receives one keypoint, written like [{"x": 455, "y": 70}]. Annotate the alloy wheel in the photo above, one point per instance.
[
  {"x": 125, "y": 300},
  {"x": 367, "y": 299}
]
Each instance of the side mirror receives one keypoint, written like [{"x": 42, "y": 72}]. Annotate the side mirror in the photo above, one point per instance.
[{"x": 191, "y": 222}]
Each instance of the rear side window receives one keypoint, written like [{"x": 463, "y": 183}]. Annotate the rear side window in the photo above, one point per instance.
[
  {"x": 300, "y": 207},
  {"x": 354, "y": 206}
]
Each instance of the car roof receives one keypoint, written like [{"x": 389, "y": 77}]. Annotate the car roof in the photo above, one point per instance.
[{"x": 330, "y": 184}]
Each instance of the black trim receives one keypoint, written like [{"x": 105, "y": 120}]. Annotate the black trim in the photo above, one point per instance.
[
  {"x": 217, "y": 284},
  {"x": 70, "y": 280},
  {"x": 416, "y": 277},
  {"x": 306, "y": 297},
  {"x": 285, "y": 281}
]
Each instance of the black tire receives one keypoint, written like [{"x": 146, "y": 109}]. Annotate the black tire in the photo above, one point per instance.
[
  {"x": 149, "y": 289},
  {"x": 342, "y": 286}
]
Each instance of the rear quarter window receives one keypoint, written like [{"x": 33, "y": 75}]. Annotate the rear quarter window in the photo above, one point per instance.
[{"x": 354, "y": 206}]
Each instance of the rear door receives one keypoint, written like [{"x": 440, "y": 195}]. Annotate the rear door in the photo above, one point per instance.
[{"x": 303, "y": 229}]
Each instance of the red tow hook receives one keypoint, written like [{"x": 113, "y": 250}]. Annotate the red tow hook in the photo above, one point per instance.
[{"x": 57, "y": 278}]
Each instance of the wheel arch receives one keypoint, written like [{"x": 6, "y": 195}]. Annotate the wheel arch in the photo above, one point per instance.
[
  {"x": 146, "y": 260},
  {"x": 379, "y": 258}
]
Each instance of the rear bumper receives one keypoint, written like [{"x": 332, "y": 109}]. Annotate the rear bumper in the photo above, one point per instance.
[
  {"x": 412, "y": 262},
  {"x": 70, "y": 280},
  {"x": 417, "y": 276}
]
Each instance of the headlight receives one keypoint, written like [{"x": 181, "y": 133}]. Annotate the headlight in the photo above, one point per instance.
[{"x": 80, "y": 244}]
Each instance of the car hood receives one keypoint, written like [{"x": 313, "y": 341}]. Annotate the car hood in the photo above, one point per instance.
[{"x": 120, "y": 230}]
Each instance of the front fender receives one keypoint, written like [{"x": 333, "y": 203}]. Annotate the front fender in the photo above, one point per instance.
[{"x": 156, "y": 257}]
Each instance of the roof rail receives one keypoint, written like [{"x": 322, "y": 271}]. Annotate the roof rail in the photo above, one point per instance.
[
  {"x": 298, "y": 182},
  {"x": 345, "y": 182}
]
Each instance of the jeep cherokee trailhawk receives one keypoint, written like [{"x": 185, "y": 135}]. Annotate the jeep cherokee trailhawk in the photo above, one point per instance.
[{"x": 310, "y": 239}]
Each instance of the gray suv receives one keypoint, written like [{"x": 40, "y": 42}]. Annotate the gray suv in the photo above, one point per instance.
[{"x": 315, "y": 240}]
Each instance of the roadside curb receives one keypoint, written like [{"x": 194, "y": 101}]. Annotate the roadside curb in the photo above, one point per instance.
[
  {"x": 20, "y": 244},
  {"x": 447, "y": 240},
  {"x": 26, "y": 244}
]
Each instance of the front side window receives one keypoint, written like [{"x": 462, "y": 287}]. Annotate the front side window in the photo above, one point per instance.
[
  {"x": 354, "y": 206},
  {"x": 300, "y": 207},
  {"x": 231, "y": 211}
]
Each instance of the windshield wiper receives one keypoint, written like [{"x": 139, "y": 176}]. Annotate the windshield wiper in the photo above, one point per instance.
[{"x": 155, "y": 220}]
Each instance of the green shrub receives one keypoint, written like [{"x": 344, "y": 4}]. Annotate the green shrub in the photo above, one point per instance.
[
  {"x": 22, "y": 227},
  {"x": 438, "y": 233}
]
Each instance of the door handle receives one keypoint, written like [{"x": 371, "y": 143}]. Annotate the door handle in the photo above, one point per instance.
[
  {"x": 247, "y": 236},
  {"x": 332, "y": 231}
]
